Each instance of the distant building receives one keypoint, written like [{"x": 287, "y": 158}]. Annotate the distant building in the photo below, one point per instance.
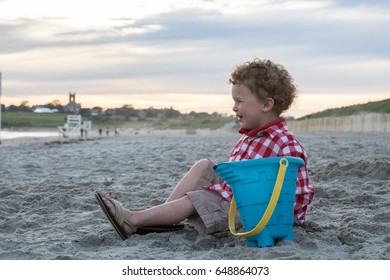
[
  {"x": 121, "y": 111},
  {"x": 72, "y": 107},
  {"x": 44, "y": 110},
  {"x": 96, "y": 111}
]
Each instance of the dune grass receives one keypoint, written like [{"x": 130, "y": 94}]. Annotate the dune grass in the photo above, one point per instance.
[{"x": 382, "y": 106}]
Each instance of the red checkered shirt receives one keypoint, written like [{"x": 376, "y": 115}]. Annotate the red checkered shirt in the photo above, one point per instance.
[{"x": 272, "y": 140}]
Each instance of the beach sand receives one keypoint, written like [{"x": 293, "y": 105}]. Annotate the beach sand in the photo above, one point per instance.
[{"x": 48, "y": 210}]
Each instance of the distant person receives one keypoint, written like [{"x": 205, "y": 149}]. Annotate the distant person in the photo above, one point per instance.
[
  {"x": 100, "y": 131},
  {"x": 261, "y": 91},
  {"x": 116, "y": 132},
  {"x": 107, "y": 131},
  {"x": 82, "y": 132}
]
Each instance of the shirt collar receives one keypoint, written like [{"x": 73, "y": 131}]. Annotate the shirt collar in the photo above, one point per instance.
[{"x": 269, "y": 127}]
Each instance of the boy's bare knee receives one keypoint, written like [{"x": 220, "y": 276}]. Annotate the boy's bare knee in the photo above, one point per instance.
[
  {"x": 201, "y": 164},
  {"x": 199, "y": 167}
]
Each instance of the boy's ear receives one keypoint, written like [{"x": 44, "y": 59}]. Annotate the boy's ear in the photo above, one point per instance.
[{"x": 268, "y": 104}]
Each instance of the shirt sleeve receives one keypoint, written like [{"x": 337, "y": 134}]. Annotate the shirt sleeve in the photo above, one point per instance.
[{"x": 222, "y": 188}]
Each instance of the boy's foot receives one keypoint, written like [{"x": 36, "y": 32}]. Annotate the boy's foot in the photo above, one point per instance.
[{"x": 115, "y": 214}]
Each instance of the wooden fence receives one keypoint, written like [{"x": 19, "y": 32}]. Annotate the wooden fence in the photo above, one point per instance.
[{"x": 370, "y": 122}]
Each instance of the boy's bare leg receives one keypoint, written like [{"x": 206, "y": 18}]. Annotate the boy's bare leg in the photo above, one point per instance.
[
  {"x": 189, "y": 181},
  {"x": 168, "y": 213},
  {"x": 177, "y": 207}
]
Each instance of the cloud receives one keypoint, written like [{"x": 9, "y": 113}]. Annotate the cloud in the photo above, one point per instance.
[{"x": 328, "y": 46}]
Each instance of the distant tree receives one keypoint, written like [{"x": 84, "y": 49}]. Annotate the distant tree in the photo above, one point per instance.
[
  {"x": 128, "y": 110},
  {"x": 199, "y": 115},
  {"x": 100, "y": 109},
  {"x": 24, "y": 106},
  {"x": 151, "y": 112},
  {"x": 128, "y": 106},
  {"x": 13, "y": 108},
  {"x": 55, "y": 104},
  {"x": 172, "y": 113},
  {"x": 85, "y": 112}
]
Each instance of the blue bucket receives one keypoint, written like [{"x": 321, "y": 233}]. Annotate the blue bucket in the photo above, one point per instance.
[{"x": 264, "y": 194}]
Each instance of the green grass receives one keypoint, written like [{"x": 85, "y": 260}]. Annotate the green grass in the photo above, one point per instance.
[
  {"x": 36, "y": 120},
  {"x": 29, "y": 119}
]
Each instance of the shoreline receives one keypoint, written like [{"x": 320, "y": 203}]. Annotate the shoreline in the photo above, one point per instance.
[{"x": 49, "y": 133}]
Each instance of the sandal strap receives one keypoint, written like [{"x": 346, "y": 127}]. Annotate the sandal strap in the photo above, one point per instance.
[{"x": 119, "y": 215}]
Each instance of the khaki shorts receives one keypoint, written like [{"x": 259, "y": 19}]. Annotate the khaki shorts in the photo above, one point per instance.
[{"x": 212, "y": 210}]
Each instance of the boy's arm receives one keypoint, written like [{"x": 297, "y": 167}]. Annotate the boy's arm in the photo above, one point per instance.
[{"x": 304, "y": 192}]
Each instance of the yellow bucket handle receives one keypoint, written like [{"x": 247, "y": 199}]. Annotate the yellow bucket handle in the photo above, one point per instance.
[{"x": 283, "y": 164}]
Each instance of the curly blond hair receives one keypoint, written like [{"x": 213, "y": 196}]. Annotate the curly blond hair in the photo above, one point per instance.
[{"x": 266, "y": 79}]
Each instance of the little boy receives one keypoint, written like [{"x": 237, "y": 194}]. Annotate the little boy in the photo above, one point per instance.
[{"x": 261, "y": 91}]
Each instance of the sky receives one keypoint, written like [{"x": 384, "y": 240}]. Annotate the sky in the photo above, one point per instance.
[{"x": 180, "y": 54}]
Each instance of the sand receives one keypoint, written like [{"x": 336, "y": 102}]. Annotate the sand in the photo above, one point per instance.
[{"x": 48, "y": 210}]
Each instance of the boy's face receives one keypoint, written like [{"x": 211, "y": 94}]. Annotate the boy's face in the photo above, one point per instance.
[{"x": 249, "y": 110}]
